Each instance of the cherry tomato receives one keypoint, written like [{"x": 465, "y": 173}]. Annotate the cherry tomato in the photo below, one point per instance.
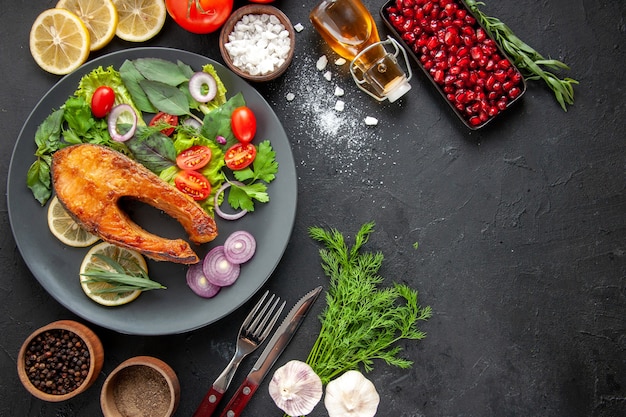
[
  {"x": 239, "y": 156},
  {"x": 193, "y": 183},
  {"x": 162, "y": 117},
  {"x": 194, "y": 158},
  {"x": 199, "y": 16},
  {"x": 243, "y": 123},
  {"x": 102, "y": 101}
]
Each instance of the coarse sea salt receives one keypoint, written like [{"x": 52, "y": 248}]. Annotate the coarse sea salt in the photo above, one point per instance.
[
  {"x": 298, "y": 27},
  {"x": 370, "y": 121},
  {"x": 258, "y": 44},
  {"x": 321, "y": 63}
]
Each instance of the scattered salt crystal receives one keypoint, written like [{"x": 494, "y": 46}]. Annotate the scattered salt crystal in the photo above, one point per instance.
[
  {"x": 298, "y": 27},
  {"x": 328, "y": 75},
  {"x": 340, "y": 105},
  {"x": 371, "y": 121},
  {"x": 338, "y": 91},
  {"x": 340, "y": 61},
  {"x": 321, "y": 63},
  {"x": 290, "y": 96}
]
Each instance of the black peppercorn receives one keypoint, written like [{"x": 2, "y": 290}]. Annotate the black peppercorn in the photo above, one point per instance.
[{"x": 58, "y": 363}]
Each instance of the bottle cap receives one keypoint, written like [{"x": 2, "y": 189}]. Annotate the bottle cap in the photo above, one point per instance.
[{"x": 399, "y": 88}]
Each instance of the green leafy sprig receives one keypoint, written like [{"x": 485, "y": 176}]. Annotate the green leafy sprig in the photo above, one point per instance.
[
  {"x": 361, "y": 322},
  {"x": 532, "y": 64},
  {"x": 120, "y": 279}
]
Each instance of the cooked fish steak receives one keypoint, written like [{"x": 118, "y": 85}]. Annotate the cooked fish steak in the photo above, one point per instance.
[{"x": 89, "y": 181}]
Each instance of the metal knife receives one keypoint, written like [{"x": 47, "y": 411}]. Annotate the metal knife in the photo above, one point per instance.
[{"x": 272, "y": 351}]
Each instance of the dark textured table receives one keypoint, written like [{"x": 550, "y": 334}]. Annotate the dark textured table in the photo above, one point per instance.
[{"x": 521, "y": 226}]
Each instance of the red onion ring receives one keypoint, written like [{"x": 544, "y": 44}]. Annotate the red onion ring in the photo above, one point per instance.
[
  {"x": 216, "y": 205},
  {"x": 239, "y": 247},
  {"x": 218, "y": 270},
  {"x": 115, "y": 114},
  {"x": 196, "y": 84}
]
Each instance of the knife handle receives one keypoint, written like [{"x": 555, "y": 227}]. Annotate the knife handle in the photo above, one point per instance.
[
  {"x": 209, "y": 403},
  {"x": 240, "y": 399}
]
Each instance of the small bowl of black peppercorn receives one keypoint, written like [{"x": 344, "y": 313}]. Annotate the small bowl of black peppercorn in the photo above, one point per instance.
[{"x": 60, "y": 360}]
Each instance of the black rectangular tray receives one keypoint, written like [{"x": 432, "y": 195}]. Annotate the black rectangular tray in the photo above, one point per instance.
[{"x": 416, "y": 56}]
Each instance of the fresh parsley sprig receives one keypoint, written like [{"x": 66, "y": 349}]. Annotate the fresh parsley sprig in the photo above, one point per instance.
[
  {"x": 530, "y": 62},
  {"x": 361, "y": 321}
]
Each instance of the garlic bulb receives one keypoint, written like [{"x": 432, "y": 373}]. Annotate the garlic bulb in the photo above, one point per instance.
[
  {"x": 295, "y": 388},
  {"x": 351, "y": 395}
]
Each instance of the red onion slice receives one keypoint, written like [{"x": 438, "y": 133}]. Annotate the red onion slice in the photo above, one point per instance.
[
  {"x": 198, "y": 83},
  {"x": 239, "y": 247},
  {"x": 115, "y": 114},
  {"x": 199, "y": 284},
  {"x": 218, "y": 270},
  {"x": 217, "y": 208}
]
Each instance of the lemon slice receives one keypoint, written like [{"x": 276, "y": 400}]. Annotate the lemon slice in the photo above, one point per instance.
[
  {"x": 139, "y": 20},
  {"x": 59, "y": 41},
  {"x": 65, "y": 228},
  {"x": 130, "y": 260},
  {"x": 100, "y": 17}
]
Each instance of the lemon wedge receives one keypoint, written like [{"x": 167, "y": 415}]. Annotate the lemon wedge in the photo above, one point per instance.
[
  {"x": 59, "y": 41},
  {"x": 132, "y": 262},
  {"x": 65, "y": 228},
  {"x": 139, "y": 20},
  {"x": 100, "y": 17}
]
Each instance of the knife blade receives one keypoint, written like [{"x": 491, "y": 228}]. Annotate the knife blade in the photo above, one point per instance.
[{"x": 270, "y": 354}]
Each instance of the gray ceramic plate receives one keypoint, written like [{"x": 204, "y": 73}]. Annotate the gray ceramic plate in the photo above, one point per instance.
[{"x": 177, "y": 309}]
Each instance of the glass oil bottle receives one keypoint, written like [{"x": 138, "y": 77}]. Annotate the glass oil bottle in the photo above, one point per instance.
[{"x": 349, "y": 29}]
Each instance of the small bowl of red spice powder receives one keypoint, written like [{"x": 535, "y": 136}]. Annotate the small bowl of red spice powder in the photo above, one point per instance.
[
  {"x": 142, "y": 386},
  {"x": 60, "y": 360}
]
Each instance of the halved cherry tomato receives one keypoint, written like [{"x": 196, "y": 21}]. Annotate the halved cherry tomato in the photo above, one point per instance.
[
  {"x": 193, "y": 183},
  {"x": 243, "y": 123},
  {"x": 239, "y": 156},
  {"x": 162, "y": 117},
  {"x": 199, "y": 16},
  {"x": 102, "y": 101},
  {"x": 194, "y": 158}
]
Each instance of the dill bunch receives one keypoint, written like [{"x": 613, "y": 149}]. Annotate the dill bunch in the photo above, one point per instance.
[
  {"x": 361, "y": 321},
  {"x": 530, "y": 62}
]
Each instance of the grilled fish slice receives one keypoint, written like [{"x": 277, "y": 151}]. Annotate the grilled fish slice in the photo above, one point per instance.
[{"x": 89, "y": 181}]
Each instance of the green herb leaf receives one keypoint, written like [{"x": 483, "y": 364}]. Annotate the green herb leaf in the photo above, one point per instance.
[
  {"x": 38, "y": 180},
  {"x": 152, "y": 148},
  {"x": 161, "y": 70},
  {"x": 166, "y": 98},
  {"x": 48, "y": 134},
  {"x": 217, "y": 121},
  {"x": 131, "y": 77},
  {"x": 361, "y": 321}
]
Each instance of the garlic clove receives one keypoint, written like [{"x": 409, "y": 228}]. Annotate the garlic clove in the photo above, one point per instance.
[
  {"x": 295, "y": 388},
  {"x": 351, "y": 395}
]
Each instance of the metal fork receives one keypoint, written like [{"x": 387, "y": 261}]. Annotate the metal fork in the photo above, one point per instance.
[{"x": 252, "y": 333}]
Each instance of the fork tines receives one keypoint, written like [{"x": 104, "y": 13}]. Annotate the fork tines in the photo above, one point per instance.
[{"x": 258, "y": 324}]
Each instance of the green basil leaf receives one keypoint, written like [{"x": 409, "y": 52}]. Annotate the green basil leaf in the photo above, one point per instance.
[
  {"x": 217, "y": 121},
  {"x": 131, "y": 77},
  {"x": 48, "y": 134},
  {"x": 39, "y": 181},
  {"x": 166, "y": 98},
  {"x": 157, "y": 69},
  {"x": 152, "y": 149}
]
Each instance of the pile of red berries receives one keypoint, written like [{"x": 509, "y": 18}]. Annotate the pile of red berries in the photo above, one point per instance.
[{"x": 477, "y": 79}]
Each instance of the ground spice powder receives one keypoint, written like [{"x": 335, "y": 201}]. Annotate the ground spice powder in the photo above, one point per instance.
[{"x": 141, "y": 391}]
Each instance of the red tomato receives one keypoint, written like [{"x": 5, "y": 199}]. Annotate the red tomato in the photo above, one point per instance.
[
  {"x": 193, "y": 183},
  {"x": 194, "y": 158},
  {"x": 239, "y": 156},
  {"x": 199, "y": 16},
  {"x": 102, "y": 101},
  {"x": 162, "y": 117},
  {"x": 243, "y": 123}
]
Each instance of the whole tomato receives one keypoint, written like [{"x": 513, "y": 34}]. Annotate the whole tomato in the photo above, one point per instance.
[{"x": 199, "y": 16}]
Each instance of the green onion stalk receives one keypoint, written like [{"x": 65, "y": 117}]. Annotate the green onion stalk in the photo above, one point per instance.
[{"x": 530, "y": 62}]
